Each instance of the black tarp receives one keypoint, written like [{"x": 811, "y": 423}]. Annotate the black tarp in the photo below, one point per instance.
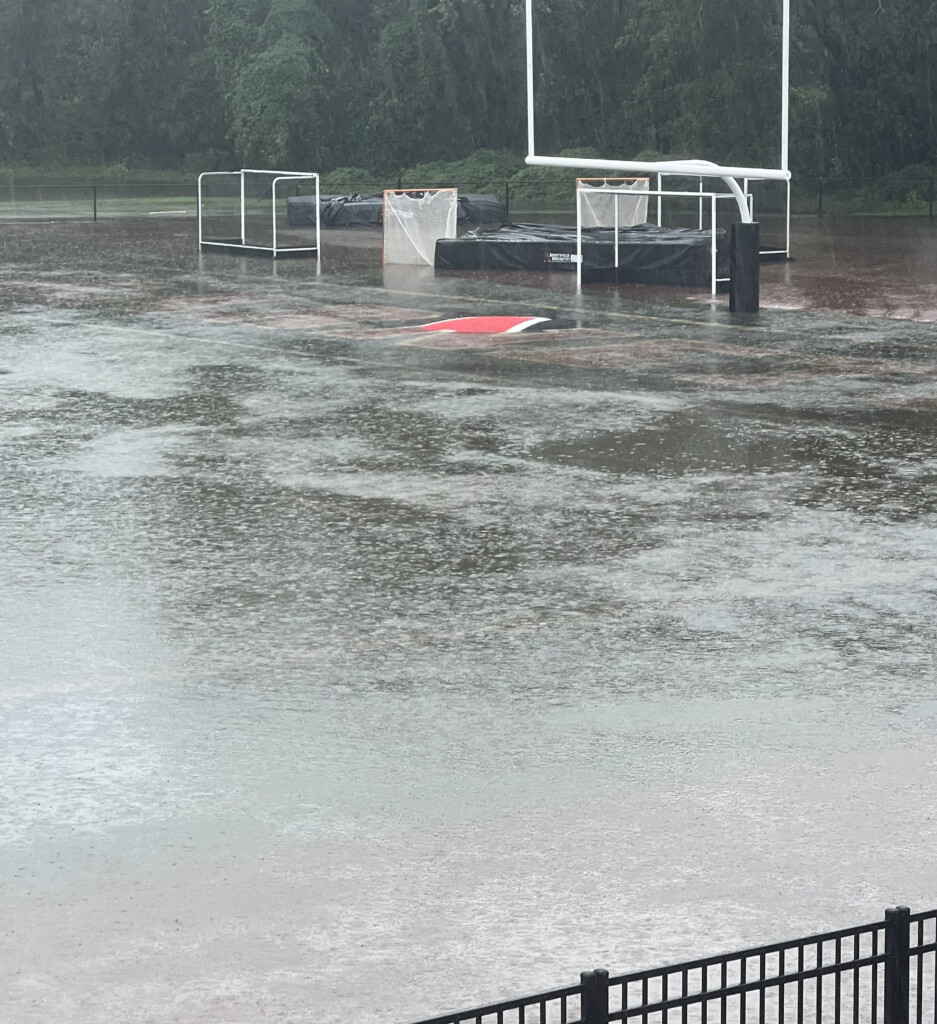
[
  {"x": 647, "y": 254},
  {"x": 335, "y": 211},
  {"x": 480, "y": 209},
  {"x": 368, "y": 210}
]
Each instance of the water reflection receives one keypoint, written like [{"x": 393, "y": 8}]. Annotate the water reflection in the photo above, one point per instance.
[
  {"x": 330, "y": 658},
  {"x": 873, "y": 266}
]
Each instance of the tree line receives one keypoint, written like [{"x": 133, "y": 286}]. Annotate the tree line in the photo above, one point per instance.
[{"x": 384, "y": 84}]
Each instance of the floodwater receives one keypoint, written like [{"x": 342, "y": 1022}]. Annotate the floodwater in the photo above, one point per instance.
[{"x": 352, "y": 674}]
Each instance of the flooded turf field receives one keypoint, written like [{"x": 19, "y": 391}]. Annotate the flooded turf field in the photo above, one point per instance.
[{"x": 352, "y": 674}]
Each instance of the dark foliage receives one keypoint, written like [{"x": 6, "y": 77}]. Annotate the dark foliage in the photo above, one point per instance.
[{"x": 384, "y": 84}]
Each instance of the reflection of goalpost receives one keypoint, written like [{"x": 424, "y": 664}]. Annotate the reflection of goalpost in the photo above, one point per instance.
[{"x": 684, "y": 168}]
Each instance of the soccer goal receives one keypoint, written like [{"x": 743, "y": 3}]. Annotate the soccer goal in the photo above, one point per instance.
[
  {"x": 246, "y": 210},
  {"x": 414, "y": 219}
]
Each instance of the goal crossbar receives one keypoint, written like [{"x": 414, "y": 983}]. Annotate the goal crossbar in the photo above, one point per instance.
[{"x": 686, "y": 168}]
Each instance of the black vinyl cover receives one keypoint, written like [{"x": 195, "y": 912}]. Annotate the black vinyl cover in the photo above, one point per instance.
[
  {"x": 481, "y": 209},
  {"x": 335, "y": 211},
  {"x": 368, "y": 210},
  {"x": 647, "y": 254}
]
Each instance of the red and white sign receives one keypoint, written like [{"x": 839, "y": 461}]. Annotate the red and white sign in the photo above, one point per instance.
[{"x": 485, "y": 324}]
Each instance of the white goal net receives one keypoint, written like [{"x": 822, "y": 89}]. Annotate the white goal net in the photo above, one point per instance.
[
  {"x": 612, "y": 202},
  {"x": 414, "y": 219}
]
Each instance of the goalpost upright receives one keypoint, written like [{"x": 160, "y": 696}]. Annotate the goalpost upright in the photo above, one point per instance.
[
  {"x": 785, "y": 110},
  {"x": 691, "y": 168}
]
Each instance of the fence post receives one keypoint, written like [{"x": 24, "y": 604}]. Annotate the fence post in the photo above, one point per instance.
[
  {"x": 94, "y": 201},
  {"x": 820, "y": 197},
  {"x": 897, "y": 966},
  {"x": 594, "y": 997},
  {"x": 507, "y": 202},
  {"x": 930, "y": 199}
]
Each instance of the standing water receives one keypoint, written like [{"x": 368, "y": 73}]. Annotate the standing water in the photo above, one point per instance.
[{"x": 354, "y": 674}]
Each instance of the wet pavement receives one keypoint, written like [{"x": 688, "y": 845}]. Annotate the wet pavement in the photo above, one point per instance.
[{"x": 354, "y": 674}]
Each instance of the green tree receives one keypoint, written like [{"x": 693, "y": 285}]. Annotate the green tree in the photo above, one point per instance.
[
  {"x": 704, "y": 79},
  {"x": 387, "y": 84},
  {"x": 876, "y": 62},
  {"x": 273, "y": 116}
]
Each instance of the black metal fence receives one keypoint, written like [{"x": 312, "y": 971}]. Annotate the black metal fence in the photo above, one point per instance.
[
  {"x": 880, "y": 973},
  {"x": 97, "y": 201},
  {"x": 907, "y": 193}
]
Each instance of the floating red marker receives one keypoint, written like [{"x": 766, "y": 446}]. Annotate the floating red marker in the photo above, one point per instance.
[{"x": 485, "y": 324}]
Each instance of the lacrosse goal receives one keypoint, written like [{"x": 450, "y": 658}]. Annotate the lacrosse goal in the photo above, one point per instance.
[{"x": 414, "y": 219}]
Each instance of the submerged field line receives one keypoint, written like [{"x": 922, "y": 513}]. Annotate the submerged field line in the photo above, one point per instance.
[{"x": 617, "y": 314}]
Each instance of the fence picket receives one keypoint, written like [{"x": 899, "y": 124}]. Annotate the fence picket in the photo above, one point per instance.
[{"x": 765, "y": 972}]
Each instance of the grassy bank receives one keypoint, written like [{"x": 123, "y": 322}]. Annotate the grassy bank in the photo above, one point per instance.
[{"x": 911, "y": 191}]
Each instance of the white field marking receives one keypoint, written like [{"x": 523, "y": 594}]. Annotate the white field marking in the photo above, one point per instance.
[{"x": 517, "y": 328}]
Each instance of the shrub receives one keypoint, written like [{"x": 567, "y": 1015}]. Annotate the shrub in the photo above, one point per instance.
[
  {"x": 346, "y": 181},
  {"x": 485, "y": 170},
  {"x": 911, "y": 184},
  {"x": 550, "y": 186}
]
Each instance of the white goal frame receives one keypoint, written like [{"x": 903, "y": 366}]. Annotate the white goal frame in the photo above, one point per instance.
[
  {"x": 700, "y": 195},
  {"x": 687, "y": 168},
  {"x": 274, "y": 249}
]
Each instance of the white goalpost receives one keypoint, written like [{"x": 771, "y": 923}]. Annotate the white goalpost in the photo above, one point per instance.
[
  {"x": 247, "y": 210},
  {"x": 414, "y": 219},
  {"x": 730, "y": 175}
]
